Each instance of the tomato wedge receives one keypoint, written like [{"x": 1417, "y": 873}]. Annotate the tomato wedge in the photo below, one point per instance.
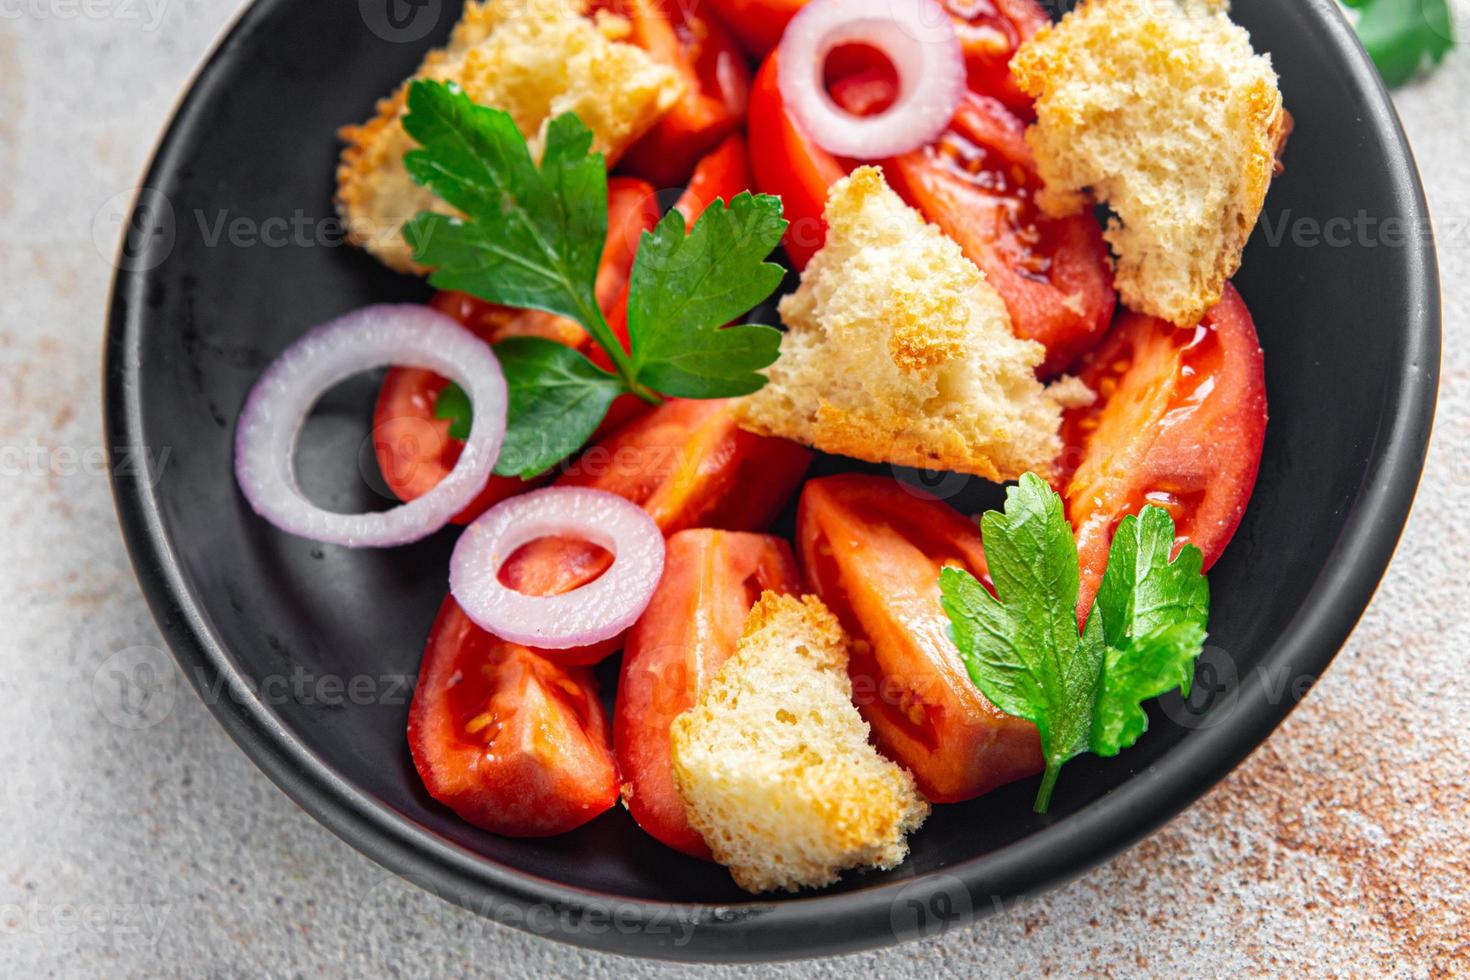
[
  {"x": 872, "y": 549},
  {"x": 977, "y": 182},
  {"x": 716, "y": 83},
  {"x": 710, "y": 581},
  {"x": 1179, "y": 422},
  {"x": 688, "y": 465},
  {"x": 414, "y": 449},
  {"x": 990, "y": 31},
  {"x": 721, "y": 175},
  {"x": 790, "y": 166},
  {"x": 506, "y": 739},
  {"x": 758, "y": 24}
]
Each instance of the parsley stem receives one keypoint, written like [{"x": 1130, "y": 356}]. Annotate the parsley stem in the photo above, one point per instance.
[
  {"x": 596, "y": 325},
  {"x": 1048, "y": 783},
  {"x": 647, "y": 394}
]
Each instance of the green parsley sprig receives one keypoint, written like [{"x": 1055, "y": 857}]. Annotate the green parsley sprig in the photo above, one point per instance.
[
  {"x": 1082, "y": 688},
  {"x": 532, "y": 237},
  {"x": 1401, "y": 35}
]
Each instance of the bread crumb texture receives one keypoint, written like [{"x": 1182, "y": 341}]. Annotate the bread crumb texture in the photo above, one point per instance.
[
  {"x": 773, "y": 761},
  {"x": 535, "y": 59},
  {"x": 1160, "y": 110},
  {"x": 897, "y": 350}
]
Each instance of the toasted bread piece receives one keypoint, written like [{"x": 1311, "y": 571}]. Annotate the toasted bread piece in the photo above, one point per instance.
[
  {"x": 773, "y": 761},
  {"x": 535, "y": 59},
  {"x": 1160, "y": 110},
  {"x": 898, "y": 351}
]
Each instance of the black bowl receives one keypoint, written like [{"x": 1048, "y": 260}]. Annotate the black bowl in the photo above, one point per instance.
[{"x": 267, "y": 626}]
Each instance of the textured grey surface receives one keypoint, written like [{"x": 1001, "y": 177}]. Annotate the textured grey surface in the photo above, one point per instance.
[{"x": 1340, "y": 847}]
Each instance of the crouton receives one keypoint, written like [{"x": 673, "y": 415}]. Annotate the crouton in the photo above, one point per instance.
[
  {"x": 898, "y": 351},
  {"x": 535, "y": 59},
  {"x": 1160, "y": 110},
  {"x": 773, "y": 761}
]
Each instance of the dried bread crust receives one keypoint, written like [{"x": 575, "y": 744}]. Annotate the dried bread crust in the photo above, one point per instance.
[
  {"x": 535, "y": 59},
  {"x": 1161, "y": 110},
  {"x": 773, "y": 761},
  {"x": 897, "y": 350}
]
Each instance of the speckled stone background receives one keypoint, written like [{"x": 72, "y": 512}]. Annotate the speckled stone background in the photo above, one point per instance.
[{"x": 138, "y": 841}]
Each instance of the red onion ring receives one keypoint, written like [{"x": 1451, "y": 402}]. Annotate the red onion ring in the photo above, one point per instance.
[
  {"x": 916, "y": 35},
  {"x": 597, "y": 611},
  {"x": 374, "y": 336}
]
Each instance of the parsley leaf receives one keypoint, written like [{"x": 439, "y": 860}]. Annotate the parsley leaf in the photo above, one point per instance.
[
  {"x": 1153, "y": 613},
  {"x": 680, "y": 295},
  {"x": 557, "y": 398},
  {"x": 1400, "y": 35},
  {"x": 1023, "y": 649},
  {"x": 453, "y": 404},
  {"x": 1021, "y": 646},
  {"x": 532, "y": 236}
]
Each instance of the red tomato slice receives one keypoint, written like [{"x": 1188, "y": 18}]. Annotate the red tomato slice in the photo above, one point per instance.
[
  {"x": 872, "y": 549},
  {"x": 990, "y": 31},
  {"x": 506, "y": 739},
  {"x": 721, "y": 175},
  {"x": 711, "y": 579},
  {"x": 977, "y": 182},
  {"x": 414, "y": 449},
  {"x": 716, "y": 81},
  {"x": 1179, "y": 422},
  {"x": 758, "y": 24},
  {"x": 787, "y": 164},
  {"x": 688, "y": 465}
]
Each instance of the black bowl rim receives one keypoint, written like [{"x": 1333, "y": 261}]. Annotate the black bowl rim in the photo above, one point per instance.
[{"x": 823, "y": 924}]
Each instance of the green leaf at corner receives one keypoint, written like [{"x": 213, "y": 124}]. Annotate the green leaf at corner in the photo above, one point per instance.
[
  {"x": 1153, "y": 614},
  {"x": 685, "y": 288},
  {"x": 557, "y": 399},
  {"x": 1401, "y": 34},
  {"x": 1021, "y": 646}
]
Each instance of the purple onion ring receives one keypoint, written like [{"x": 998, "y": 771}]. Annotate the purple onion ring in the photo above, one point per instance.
[
  {"x": 597, "y": 611},
  {"x": 917, "y": 36},
  {"x": 384, "y": 335}
]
